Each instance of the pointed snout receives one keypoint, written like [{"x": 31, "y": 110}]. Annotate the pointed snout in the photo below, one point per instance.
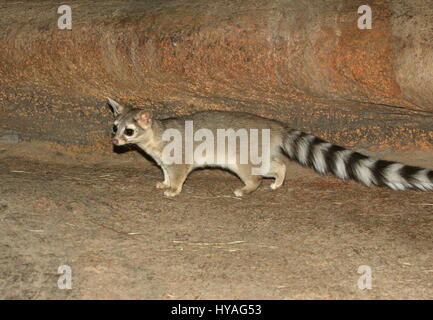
[{"x": 115, "y": 141}]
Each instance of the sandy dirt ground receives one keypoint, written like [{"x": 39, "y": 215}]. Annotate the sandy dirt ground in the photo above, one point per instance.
[{"x": 123, "y": 239}]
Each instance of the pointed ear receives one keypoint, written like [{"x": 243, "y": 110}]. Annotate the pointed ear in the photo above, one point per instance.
[
  {"x": 144, "y": 119},
  {"x": 116, "y": 107}
]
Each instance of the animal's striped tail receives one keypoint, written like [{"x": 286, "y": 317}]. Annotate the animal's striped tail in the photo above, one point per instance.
[{"x": 325, "y": 157}]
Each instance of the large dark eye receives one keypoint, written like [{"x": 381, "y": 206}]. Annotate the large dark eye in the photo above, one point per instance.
[
  {"x": 114, "y": 128},
  {"x": 129, "y": 132}
]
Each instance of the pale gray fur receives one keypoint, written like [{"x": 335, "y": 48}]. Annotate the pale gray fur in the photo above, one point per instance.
[{"x": 308, "y": 150}]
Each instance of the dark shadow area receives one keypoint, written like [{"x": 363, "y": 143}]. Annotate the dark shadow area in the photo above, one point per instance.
[{"x": 133, "y": 148}]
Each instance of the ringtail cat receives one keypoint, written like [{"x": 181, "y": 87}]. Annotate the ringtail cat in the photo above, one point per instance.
[{"x": 137, "y": 126}]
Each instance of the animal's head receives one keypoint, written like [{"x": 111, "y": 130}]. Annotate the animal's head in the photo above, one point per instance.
[{"x": 130, "y": 125}]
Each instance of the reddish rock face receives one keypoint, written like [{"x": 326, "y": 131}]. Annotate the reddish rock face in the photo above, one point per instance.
[{"x": 303, "y": 62}]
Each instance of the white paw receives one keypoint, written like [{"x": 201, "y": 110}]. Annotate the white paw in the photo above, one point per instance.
[
  {"x": 171, "y": 193},
  {"x": 161, "y": 185},
  {"x": 239, "y": 193},
  {"x": 275, "y": 186}
]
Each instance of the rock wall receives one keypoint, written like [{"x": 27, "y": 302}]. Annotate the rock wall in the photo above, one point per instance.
[{"x": 304, "y": 62}]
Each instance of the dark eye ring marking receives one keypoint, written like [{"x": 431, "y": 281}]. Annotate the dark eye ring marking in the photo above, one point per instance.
[
  {"x": 129, "y": 132},
  {"x": 114, "y": 128}
]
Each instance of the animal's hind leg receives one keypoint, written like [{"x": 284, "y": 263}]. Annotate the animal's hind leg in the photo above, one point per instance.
[
  {"x": 252, "y": 182},
  {"x": 278, "y": 172}
]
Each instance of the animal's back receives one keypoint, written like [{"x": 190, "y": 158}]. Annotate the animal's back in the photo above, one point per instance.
[{"x": 228, "y": 120}]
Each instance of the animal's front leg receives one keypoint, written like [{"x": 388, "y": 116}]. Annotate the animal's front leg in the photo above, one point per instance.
[
  {"x": 177, "y": 176},
  {"x": 166, "y": 183}
]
